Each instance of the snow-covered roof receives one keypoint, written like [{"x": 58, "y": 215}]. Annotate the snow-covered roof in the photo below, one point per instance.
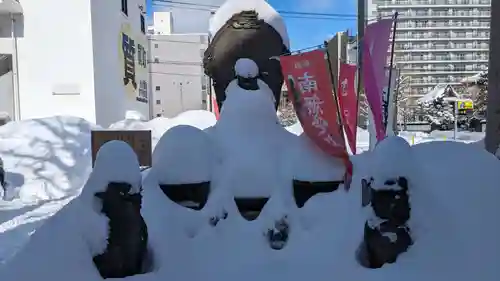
[
  {"x": 439, "y": 91},
  {"x": 474, "y": 78},
  {"x": 265, "y": 11}
]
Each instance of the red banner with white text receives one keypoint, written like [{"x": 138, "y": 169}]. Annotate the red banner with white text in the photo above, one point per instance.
[
  {"x": 348, "y": 102},
  {"x": 310, "y": 88}
]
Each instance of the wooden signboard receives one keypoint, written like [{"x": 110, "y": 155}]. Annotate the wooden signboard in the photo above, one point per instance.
[{"x": 140, "y": 141}]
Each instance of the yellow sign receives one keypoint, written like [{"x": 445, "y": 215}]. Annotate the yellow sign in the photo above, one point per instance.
[
  {"x": 133, "y": 65},
  {"x": 140, "y": 141},
  {"x": 465, "y": 105}
]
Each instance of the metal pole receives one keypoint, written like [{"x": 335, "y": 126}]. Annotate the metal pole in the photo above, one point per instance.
[
  {"x": 492, "y": 138},
  {"x": 361, "y": 34},
  {"x": 209, "y": 86},
  {"x": 182, "y": 97},
  {"x": 339, "y": 115},
  {"x": 396, "y": 101},
  {"x": 455, "y": 112},
  {"x": 15, "y": 71},
  {"x": 391, "y": 64}
]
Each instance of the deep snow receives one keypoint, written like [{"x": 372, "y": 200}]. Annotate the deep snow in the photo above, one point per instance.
[
  {"x": 453, "y": 222},
  {"x": 454, "y": 205}
]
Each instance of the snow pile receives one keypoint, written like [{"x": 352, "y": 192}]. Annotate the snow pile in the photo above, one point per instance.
[
  {"x": 201, "y": 119},
  {"x": 81, "y": 230},
  {"x": 386, "y": 155},
  {"x": 325, "y": 233},
  {"x": 184, "y": 154},
  {"x": 247, "y": 153},
  {"x": 47, "y": 161},
  {"x": 46, "y": 158},
  {"x": 265, "y": 11}
]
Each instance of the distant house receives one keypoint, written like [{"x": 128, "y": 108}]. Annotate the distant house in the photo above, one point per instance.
[{"x": 440, "y": 91}]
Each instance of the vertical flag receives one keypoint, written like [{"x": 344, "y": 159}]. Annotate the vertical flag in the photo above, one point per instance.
[
  {"x": 375, "y": 50},
  {"x": 310, "y": 88},
  {"x": 348, "y": 102},
  {"x": 215, "y": 107}
]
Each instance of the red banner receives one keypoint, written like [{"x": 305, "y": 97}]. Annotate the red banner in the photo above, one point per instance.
[
  {"x": 348, "y": 102},
  {"x": 215, "y": 107},
  {"x": 310, "y": 88}
]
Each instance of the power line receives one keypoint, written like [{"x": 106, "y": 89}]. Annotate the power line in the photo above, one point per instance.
[
  {"x": 307, "y": 17},
  {"x": 210, "y": 8}
]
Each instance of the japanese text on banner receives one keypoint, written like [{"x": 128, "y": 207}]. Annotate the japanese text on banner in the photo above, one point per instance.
[
  {"x": 310, "y": 89},
  {"x": 348, "y": 102}
]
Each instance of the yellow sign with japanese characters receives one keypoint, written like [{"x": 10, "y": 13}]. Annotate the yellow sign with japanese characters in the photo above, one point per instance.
[
  {"x": 465, "y": 105},
  {"x": 133, "y": 65}
]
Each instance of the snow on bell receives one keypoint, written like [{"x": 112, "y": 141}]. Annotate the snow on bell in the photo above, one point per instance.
[{"x": 238, "y": 29}]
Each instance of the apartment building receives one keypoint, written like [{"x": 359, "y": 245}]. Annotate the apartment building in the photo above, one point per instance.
[
  {"x": 178, "y": 82},
  {"x": 437, "y": 41},
  {"x": 88, "y": 61}
]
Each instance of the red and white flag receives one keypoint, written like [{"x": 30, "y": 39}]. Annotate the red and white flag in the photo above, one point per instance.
[
  {"x": 348, "y": 102},
  {"x": 310, "y": 88}
]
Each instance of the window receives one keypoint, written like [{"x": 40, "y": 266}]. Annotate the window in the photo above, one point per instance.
[
  {"x": 156, "y": 46},
  {"x": 157, "y": 88},
  {"x": 125, "y": 7},
  {"x": 158, "y": 115},
  {"x": 157, "y": 60},
  {"x": 158, "y": 101},
  {"x": 143, "y": 24}
]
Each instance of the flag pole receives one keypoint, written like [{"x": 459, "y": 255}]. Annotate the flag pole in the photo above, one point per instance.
[
  {"x": 347, "y": 162},
  {"x": 361, "y": 25},
  {"x": 339, "y": 115},
  {"x": 391, "y": 65}
]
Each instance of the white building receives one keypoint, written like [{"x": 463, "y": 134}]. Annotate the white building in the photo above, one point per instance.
[
  {"x": 438, "y": 41},
  {"x": 178, "y": 82},
  {"x": 71, "y": 57}
]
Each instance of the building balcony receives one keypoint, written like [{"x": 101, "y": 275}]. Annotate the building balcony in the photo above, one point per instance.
[
  {"x": 412, "y": 72},
  {"x": 440, "y": 50},
  {"x": 404, "y": 16},
  {"x": 437, "y": 61},
  {"x": 413, "y": 5},
  {"x": 426, "y": 14},
  {"x": 441, "y": 38},
  {"x": 444, "y": 27},
  {"x": 421, "y": 83}
]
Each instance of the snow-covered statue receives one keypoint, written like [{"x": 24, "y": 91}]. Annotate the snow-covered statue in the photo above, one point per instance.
[
  {"x": 246, "y": 29},
  {"x": 386, "y": 195},
  {"x": 240, "y": 167}
]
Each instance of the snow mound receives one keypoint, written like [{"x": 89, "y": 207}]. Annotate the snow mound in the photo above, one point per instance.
[
  {"x": 184, "y": 154},
  {"x": 46, "y": 158},
  {"x": 387, "y": 164},
  {"x": 453, "y": 217},
  {"x": 81, "y": 228},
  {"x": 134, "y": 115},
  {"x": 47, "y": 162},
  {"x": 200, "y": 119},
  {"x": 265, "y": 11},
  {"x": 116, "y": 161}
]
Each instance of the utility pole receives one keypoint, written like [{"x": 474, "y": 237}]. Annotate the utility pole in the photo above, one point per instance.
[
  {"x": 492, "y": 138},
  {"x": 359, "y": 59},
  {"x": 361, "y": 34}
]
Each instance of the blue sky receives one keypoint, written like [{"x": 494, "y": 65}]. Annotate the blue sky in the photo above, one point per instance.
[{"x": 303, "y": 32}]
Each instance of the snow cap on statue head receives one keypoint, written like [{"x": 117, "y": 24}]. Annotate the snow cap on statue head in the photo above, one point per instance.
[
  {"x": 248, "y": 95},
  {"x": 247, "y": 77},
  {"x": 265, "y": 11}
]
